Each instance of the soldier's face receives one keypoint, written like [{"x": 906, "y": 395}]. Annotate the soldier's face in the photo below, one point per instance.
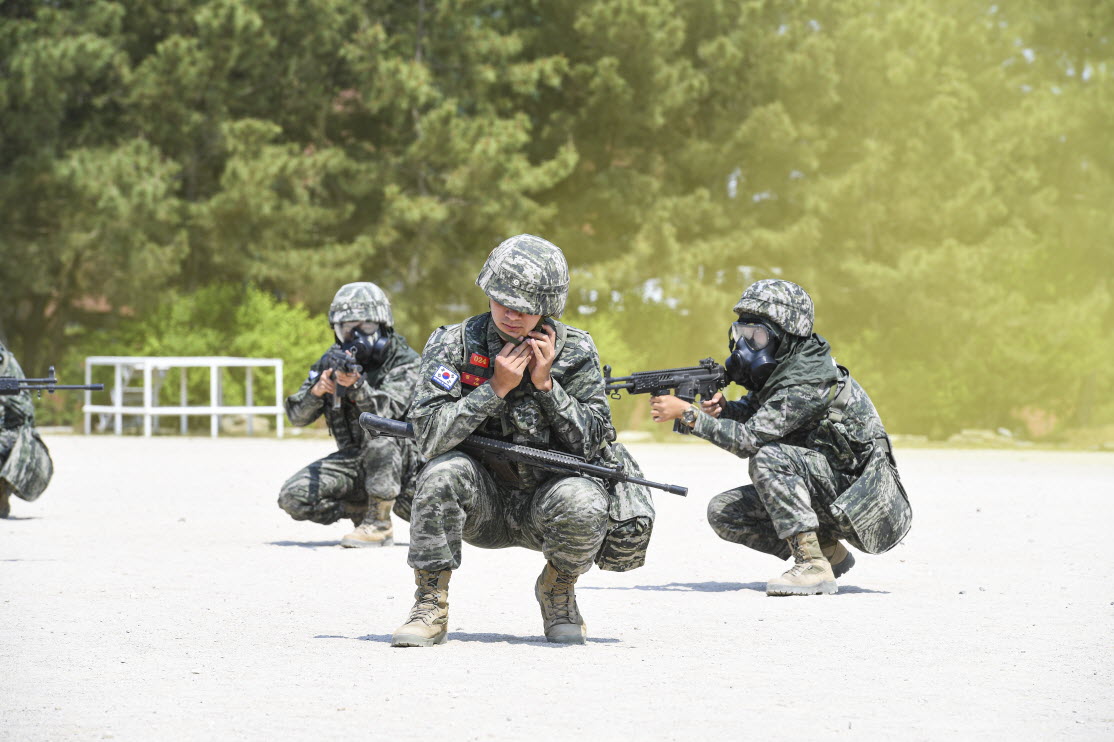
[{"x": 511, "y": 322}]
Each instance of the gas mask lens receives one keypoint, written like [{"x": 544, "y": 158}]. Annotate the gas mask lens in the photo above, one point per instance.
[
  {"x": 757, "y": 337},
  {"x": 344, "y": 330}
]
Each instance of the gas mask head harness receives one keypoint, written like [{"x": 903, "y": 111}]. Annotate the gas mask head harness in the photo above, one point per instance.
[
  {"x": 366, "y": 341},
  {"x": 752, "y": 343}
]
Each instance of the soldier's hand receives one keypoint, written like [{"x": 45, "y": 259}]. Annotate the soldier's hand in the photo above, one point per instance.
[
  {"x": 346, "y": 379},
  {"x": 544, "y": 347},
  {"x": 510, "y": 364},
  {"x": 666, "y": 408},
  {"x": 325, "y": 384},
  {"x": 713, "y": 406}
]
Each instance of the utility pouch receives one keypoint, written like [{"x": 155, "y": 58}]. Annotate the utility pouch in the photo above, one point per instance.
[
  {"x": 631, "y": 519},
  {"x": 28, "y": 468},
  {"x": 874, "y": 513}
]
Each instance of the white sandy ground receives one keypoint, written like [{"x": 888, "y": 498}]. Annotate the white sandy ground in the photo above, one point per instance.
[{"x": 157, "y": 592}]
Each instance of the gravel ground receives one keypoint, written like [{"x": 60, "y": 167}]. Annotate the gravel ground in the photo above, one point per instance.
[{"x": 157, "y": 592}]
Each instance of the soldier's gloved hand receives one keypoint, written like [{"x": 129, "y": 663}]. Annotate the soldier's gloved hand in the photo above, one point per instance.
[
  {"x": 510, "y": 364},
  {"x": 713, "y": 406},
  {"x": 325, "y": 384}
]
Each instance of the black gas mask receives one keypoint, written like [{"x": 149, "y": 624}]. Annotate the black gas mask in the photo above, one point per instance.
[
  {"x": 753, "y": 346},
  {"x": 369, "y": 349}
]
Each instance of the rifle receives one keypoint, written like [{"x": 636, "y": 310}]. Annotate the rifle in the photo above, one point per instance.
[
  {"x": 341, "y": 361},
  {"x": 353, "y": 356},
  {"x": 684, "y": 383},
  {"x": 542, "y": 458},
  {"x": 9, "y": 385}
]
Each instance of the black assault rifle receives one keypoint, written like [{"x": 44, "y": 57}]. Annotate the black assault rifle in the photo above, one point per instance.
[
  {"x": 539, "y": 457},
  {"x": 341, "y": 362},
  {"x": 9, "y": 385},
  {"x": 684, "y": 383}
]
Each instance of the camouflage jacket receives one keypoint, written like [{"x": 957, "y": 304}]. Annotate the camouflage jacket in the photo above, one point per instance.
[
  {"x": 837, "y": 420},
  {"x": 384, "y": 391},
  {"x": 28, "y": 467},
  {"x": 453, "y": 401}
]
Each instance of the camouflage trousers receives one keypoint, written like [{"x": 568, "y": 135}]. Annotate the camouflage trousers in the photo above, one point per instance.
[
  {"x": 457, "y": 498},
  {"x": 793, "y": 490},
  {"x": 347, "y": 482}
]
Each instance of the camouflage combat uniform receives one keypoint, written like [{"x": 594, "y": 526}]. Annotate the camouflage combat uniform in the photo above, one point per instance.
[
  {"x": 25, "y": 464},
  {"x": 820, "y": 459},
  {"x": 572, "y": 520},
  {"x": 364, "y": 469}
]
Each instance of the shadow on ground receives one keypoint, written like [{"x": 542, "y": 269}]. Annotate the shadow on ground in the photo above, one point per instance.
[
  {"x": 320, "y": 544},
  {"x": 464, "y": 636},
  {"x": 722, "y": 587}
]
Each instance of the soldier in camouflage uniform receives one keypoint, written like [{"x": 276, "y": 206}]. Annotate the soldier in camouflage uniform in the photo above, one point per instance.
[
  {"x": 366, "y": 476},
  {"x": 821, "y": 464},
  {"x": 518, "y": 375},
  {"x": 25, "y": 465}
]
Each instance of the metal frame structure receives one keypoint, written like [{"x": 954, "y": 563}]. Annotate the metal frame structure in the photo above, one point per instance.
[{"x": 125, "y": 366}]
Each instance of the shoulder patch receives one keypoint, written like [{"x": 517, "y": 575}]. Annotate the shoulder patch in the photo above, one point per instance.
[{"x": 445, "y": 377}]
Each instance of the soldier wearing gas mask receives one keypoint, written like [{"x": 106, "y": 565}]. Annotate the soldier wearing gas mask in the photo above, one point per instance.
[
  {"x": 369, "y": 369},
  {"x": 517, "y": 374},
  {"x": 821, "y": 467}
]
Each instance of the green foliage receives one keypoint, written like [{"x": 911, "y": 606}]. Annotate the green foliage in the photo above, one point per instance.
[{"x": 937, "y": 174}]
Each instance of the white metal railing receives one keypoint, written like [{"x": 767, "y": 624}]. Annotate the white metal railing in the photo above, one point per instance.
[{"x": 125, "y": 366}]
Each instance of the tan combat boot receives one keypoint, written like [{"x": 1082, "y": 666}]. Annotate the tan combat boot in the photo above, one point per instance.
[
  {"x": 810, "y": 575},
  {"x": 837, "y": 555},
  {"x": 428, "y": 623},
  {"x": 560, "y": 617},
  {"x": 375, "y": 530}
]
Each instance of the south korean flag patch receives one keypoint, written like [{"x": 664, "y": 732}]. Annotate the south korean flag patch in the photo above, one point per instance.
[{"x": 445, "y": 378}]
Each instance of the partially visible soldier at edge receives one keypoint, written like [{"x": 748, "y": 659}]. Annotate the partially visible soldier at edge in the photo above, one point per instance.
[
  {"x": 366, "y": 477},
  {"x": 517, "y": 374},
  {"x": 821, "y": 465},
  {"x": 25, "y": 465}
]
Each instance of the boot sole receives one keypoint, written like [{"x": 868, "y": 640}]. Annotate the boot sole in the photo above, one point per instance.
[
  {"x": 824, "y": 588},
  {"x": 413, "y": 640},
  {"x": 571, "y": 639},
  {"x": 352, "y": 543}
]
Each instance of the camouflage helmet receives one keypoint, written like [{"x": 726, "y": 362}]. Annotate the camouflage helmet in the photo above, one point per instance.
[
  {"x": 527, "y": 274},
  {"x": 784, "y": 303},
  {"x": 361, "y": 301}
]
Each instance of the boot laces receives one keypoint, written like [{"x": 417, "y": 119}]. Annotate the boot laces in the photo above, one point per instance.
[
  {"x": 799, "y": 569},
  {"x": 427, "y": 603},
  {"x": 561, "y": 597}
]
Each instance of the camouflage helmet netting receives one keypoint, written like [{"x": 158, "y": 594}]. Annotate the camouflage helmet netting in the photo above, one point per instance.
[
  {"x": 784, "y": 303},
  {"x": 527, "y": 274},
  {"x": 361, "y": 301}
]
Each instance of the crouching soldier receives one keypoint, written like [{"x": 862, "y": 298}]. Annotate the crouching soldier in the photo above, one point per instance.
[
  {"x": 821, "y": 465},
  {"x": 25, "y": 465},
  {"x": 369, "y": 369},
  {"x": 516, "y": 374}
]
